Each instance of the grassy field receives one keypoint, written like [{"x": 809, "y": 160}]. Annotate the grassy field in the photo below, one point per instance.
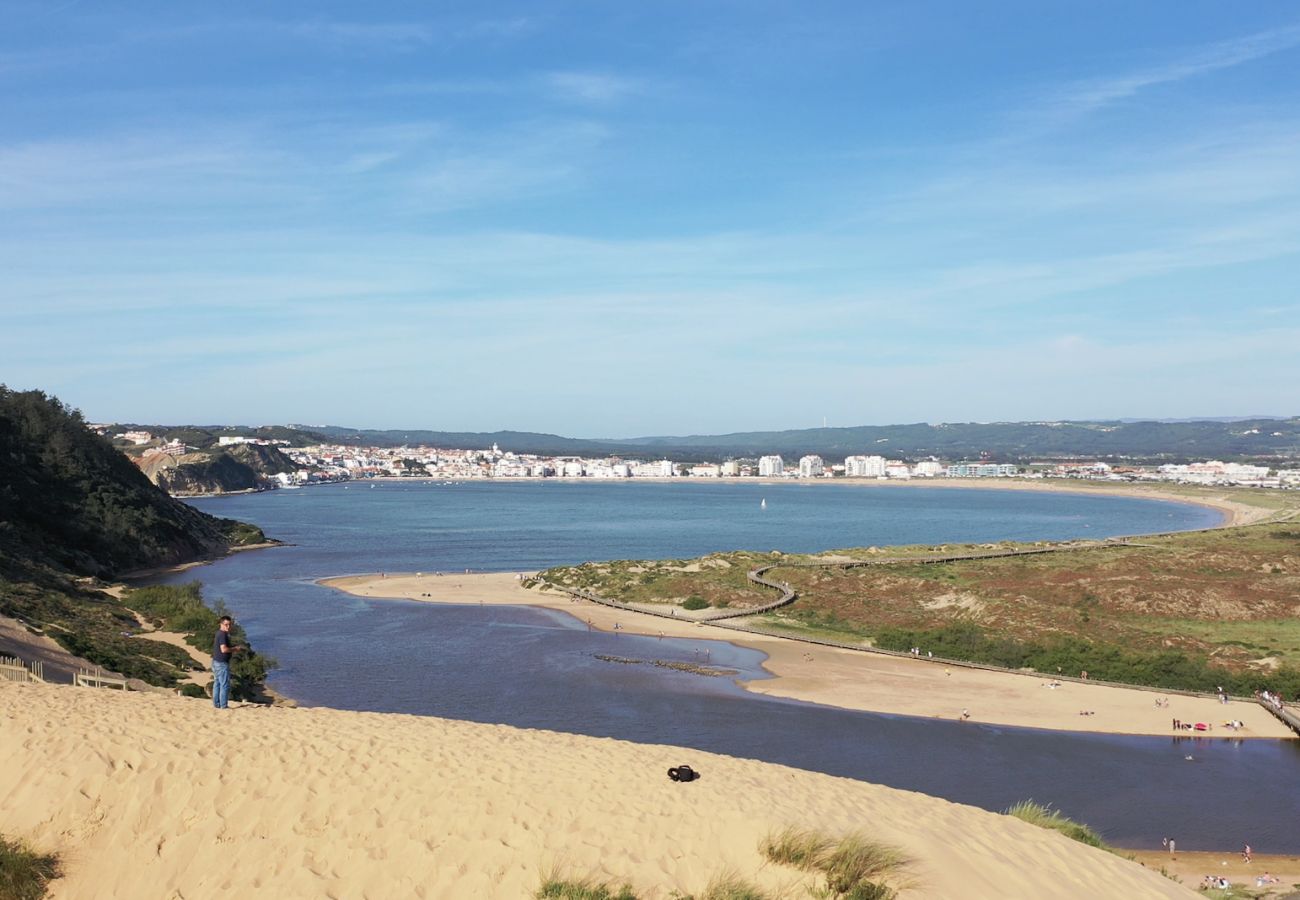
[{"x": 1172, "y": 610}]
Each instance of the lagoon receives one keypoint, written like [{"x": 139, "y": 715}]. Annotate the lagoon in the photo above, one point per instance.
[{"x": 537, "y": 668}]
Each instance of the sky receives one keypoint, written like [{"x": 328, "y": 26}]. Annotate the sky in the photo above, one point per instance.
[{"x": 619, "y": 219}]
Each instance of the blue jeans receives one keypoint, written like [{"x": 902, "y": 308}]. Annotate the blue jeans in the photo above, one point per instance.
[{"x": 220, "y": 684}]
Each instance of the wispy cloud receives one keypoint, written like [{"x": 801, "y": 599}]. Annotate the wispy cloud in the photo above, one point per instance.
[
  {"x": 591, "y": 87},
  {"x": 1083, "y": 97}
]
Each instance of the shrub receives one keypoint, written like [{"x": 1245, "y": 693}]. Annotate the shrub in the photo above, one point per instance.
[
  {"x": 193, "y": 690},
  {"x": 694, "y": 602},
  {"x": 24, "y": 873}
]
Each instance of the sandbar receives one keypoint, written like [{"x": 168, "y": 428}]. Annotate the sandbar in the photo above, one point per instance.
[{"x": 857, "y": 680}]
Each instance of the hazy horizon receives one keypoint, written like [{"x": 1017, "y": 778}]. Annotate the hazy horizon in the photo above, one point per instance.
[{"x": 688, "y": 219}]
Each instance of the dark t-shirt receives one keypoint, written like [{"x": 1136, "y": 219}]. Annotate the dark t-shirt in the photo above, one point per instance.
[{"x": 223, "y": 637}]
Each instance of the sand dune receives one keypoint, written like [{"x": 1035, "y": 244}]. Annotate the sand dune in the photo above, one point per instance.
[{"x": 149, "y": 796}]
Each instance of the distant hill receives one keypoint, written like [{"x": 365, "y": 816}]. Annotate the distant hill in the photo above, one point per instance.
[
  {"x": 1013, "y": 441},
  {"x": 1137, "y": 441}
]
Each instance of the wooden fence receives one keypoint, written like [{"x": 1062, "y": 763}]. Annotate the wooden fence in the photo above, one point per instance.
[
  {"x": 1287, "y": 716},
  {"x": 97, "y": 678},
  {"x": 14, "y": 669}
]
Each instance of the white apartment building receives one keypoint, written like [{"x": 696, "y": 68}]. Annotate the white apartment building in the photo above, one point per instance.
[
  {"x": 1215, "y": 472},
  {"x": 707, "y": 470},
  {"x": 661, "y": 469},
  {"x": 864, "y": 466},
  {"x": 896, "y": 469},
  {"x": 811, "y": 466},
  {"x": 771, "y": 467},
  {"x": 982, "y": 470},
  {"x": 731, "y": 468},
  {"x": 927, "y": 468}
]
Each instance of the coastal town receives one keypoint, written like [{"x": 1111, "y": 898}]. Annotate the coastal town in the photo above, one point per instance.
[{"x": 337, "y": 462}]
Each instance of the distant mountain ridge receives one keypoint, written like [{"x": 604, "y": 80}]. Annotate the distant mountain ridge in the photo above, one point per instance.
[{"x": 1256, "y": 438}]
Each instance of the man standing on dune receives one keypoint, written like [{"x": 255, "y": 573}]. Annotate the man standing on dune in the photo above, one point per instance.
[{"x": 223, "y": 647}]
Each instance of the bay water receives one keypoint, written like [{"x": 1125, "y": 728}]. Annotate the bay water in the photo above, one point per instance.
[{"x": 540, "y": 668}]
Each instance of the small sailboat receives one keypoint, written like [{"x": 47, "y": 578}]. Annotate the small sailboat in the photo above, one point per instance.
[{"x": 763, "y": 503}]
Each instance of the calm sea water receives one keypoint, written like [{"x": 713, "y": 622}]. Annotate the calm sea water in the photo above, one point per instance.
[{"x": 536, "y": 668}]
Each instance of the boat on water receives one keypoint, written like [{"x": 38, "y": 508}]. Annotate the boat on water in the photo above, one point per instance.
[{"x": 763, "y": 503}]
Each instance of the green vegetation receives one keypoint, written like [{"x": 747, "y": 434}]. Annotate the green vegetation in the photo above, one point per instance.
[
  {"x": 74, "y": 510},
  {"x": 24, "y": 873},
  {"x": 70, "y": 501},
  {"x": 730, "y": 886},
  {"x": 557, "y": 888},
  {"x": 695, "y": 602},
  {"x": 855, "y": 867},
  {"x": 1045, "y": 817},
  {"x": 93, "y": 625},
  {"x": 181, "y": 608},
  {"x": 1189, "y": 611}
]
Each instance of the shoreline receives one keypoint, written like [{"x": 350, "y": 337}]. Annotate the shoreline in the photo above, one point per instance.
[
  {"x": 154, "y": 571},
  {"x": 856, "y": 680}
]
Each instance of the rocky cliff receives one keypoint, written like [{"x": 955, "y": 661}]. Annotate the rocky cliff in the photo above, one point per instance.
[{"x": 242, "y": 467}]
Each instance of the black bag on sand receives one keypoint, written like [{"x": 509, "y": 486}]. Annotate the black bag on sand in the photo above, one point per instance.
[{"x": 683, "y": 773}]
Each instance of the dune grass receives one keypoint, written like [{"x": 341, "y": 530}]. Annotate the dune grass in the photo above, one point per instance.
[
  {"x": 1045, "y": 817},
  {"x": 801, "y": 848},
  {"x": 558, "y": 887},
  {"x": 24, "y": 873},
  {"x": 730, "y": 886},
  {"x": 853, "y": 864},
  {"x": 724, "y": 886}
]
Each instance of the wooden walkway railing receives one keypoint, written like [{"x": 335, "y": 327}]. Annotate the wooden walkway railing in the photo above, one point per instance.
[
  {"x": 97, "y": 678},
  {"x": 1287, "y": 716},
  {"x": 14, "y": 669}
]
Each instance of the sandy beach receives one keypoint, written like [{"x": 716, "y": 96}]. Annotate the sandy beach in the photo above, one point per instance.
[
  {"x": 862, "y": 681},
  {"x": 163, "y": 797},
  {"x": 1192, "y": 868}
]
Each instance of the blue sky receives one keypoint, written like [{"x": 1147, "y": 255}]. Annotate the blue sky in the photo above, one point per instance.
[{"x": 616, "y": 219}]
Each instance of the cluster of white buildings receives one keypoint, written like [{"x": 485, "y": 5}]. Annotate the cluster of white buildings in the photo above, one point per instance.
[{"x": 338, "y": 462}]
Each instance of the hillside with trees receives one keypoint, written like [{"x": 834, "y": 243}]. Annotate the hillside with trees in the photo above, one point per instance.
[{"x": 75, "y": 512}]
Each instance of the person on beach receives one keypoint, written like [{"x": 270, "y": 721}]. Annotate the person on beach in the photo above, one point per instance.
[{"x": 223, "y": 647}]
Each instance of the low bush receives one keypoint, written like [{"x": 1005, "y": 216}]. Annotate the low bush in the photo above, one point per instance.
[
  {"x": 1106, "y": 662},
  {"x": 24, "y": 873}
]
